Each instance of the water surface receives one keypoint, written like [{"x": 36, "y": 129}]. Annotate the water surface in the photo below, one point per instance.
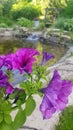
[{"x": 9, "y": 46}]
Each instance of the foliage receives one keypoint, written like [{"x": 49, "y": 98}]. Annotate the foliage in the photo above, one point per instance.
[
  {"x": 65, "y": 13},
  {"x": 68, "y": 9},
  {"x": 64, "y": 23},
  {"x": 68, "y": 25},
  {"x": 58, "y": 4},
  {"x": 3, "y": 25},
  {"x": 60, "y": 23},
  {"x": 1, "y": 9},
  {"x": 66, "y": 119},
  {"x": 42, "y": 4},
  {"x": 20, "y": 119},
  {"x": 5, "y": 20},
  {"x": 6, "y": 7},
  {"x": 29, "y": 11},
  {"x": 24, "y": 22}
]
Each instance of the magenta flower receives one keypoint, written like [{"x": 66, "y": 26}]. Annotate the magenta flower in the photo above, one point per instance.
[
  {"x": 1, "y": 62},
  {"x": 6, "y": 62},
  {"x": 46, "y": 56},
  {"x": 55, "y": 95},
  {"x": 9, "y": 88},
  {"x": 26, "y": 59},
  {"x": 23, "y": 59},
  {"x": 4, "y": 83},
  {"x": 3, "y": 79}
]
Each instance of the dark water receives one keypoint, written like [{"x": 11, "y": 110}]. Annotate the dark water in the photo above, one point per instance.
[{"x": 9, "y": 46}]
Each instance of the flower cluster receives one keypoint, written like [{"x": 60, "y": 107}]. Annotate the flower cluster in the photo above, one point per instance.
[{"x": 24, "y": 61}]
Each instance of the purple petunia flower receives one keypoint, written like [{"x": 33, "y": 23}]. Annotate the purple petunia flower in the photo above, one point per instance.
[
  {"x": 46, "y": 57},
  {"x": 55, "y": 95},
  {"x": 23, "y": 59},
  {"x": 6, "y": 62},
  {"x": 3, "y": 79},
  {"x": 1, "y": 62},
  {"x": 9, "y": 88},
  {"x": 4, "y": 83}
]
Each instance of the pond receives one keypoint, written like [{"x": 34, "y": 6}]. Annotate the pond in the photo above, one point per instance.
[{"x": 9, "y": 46}]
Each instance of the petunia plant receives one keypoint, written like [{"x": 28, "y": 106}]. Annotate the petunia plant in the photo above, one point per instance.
[{"x": 21, "y": 77}]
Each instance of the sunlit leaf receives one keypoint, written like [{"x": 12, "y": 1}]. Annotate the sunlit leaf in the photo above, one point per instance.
[
  {"x": 20, "y": 119},
  {"x": 30, "y": 106}
]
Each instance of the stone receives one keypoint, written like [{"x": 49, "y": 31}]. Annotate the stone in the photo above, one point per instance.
[
  {"x": 55, "y": 40},
  {"x": 56, "y": 36}
]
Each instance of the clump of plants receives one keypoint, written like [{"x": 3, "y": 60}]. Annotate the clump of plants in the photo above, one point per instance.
[
  {"x": 25, "y": 22},
  {"x": 5, "y": 22},
  {"x": 30, "y": 12},
  {"x": 65, "y": 19},
  {"x": 60, "y": 23},
  {"x": 66, "y": 119},
  {"x": 3, "y": 25},
  {"x": 66, "y": 24},
  {"x": 24, "y": 62},
  {"x": 67, "y": 11}
]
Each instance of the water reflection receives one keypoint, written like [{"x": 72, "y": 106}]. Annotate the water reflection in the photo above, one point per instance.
[{"x": 9, "y": 46}]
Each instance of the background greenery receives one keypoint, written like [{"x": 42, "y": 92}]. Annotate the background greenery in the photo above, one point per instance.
[
  {"x": 20, "y": 11},
  {"x": 66, "y": 119}
]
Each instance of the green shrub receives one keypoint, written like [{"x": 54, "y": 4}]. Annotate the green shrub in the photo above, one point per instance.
[
  {"x": 60, "y": 23},
  {"x": 66, "y": 119},
  {"x": 16, "y": 14},
  {"x": 7, "y": 21},
  {"x": 66, "y": 24},
  {"x": 68, "y": 10},
  {"x": 30, "y": 12},
  {"x": 25, "y": 22},
  {"x": 3, "y": 25}
]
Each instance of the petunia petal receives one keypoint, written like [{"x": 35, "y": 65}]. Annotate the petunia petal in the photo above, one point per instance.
[{"x": 55, "y": 95}]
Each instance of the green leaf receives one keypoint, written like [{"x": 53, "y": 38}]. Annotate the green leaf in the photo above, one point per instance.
[
  {"x": 30, "y": 106},
  {"x": 20, "y": 119},
  {"x": 6, "y": 106},
  {"x": 1, "y": 117},
  {"x": 4, "y": 126},
  {"x": 19, "y": 103},
  {"x": 45, "y": 78},
  {"x": 21, "y": 99},
  {"x": 13, "y": 95},
  {"x": 7, "y": 118}
]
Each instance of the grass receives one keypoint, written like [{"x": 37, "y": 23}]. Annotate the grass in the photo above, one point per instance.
[{"x": 66, "y": 119}]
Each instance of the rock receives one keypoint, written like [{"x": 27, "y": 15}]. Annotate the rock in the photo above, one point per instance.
[
  {"x": 15, "y": 33},
  {"x": 56, "y": 36},
  {"x": 5, "y": 32},
  {"x": 36, "y": 23},
  {"x": 54, "y": 40},
  {"x": 23, "y": 29},
  {"x": 42, "y": 39}
]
